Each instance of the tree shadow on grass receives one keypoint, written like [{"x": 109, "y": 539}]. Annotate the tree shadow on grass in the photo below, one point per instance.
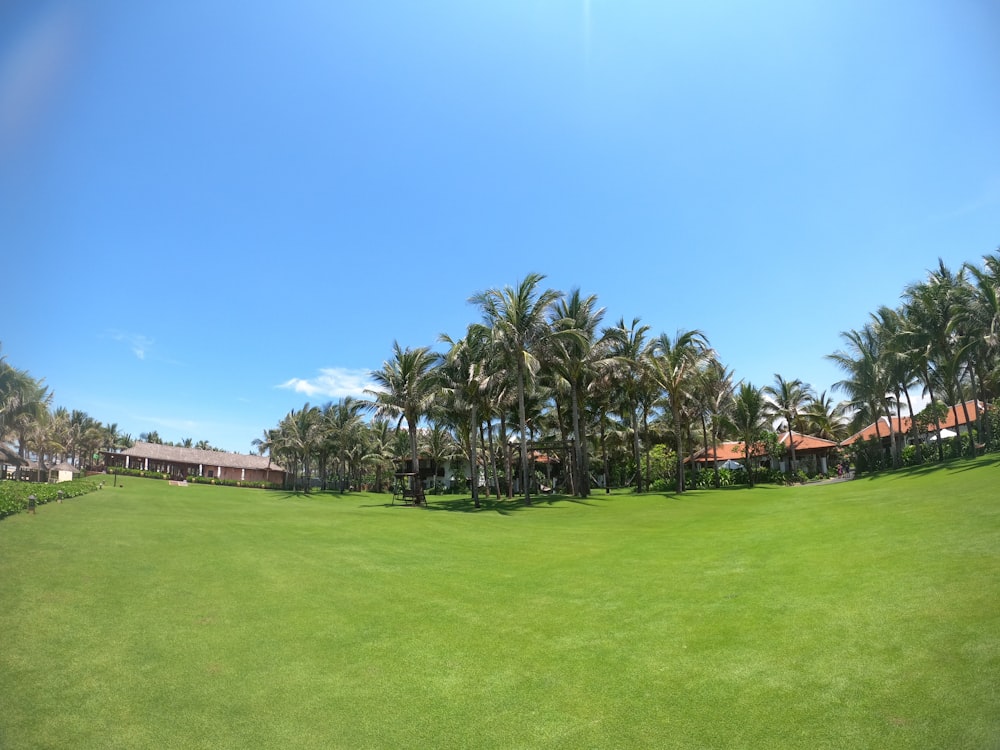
[
  {"x": 504, "y": 506},
  {"x": 950, "y": 465}
]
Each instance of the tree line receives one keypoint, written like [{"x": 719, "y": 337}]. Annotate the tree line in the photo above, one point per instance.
[
  {"x": 542, "y": 375},
  {"x": 541, "y": 379},
  {"x": 53, "y": 435}
]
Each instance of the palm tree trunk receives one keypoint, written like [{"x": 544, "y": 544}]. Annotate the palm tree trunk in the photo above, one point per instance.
[
  {"x": 968, "y": 426},
  {"x": 937, "y": 421},
  {"x": 474, "y": 459},
  {"x": 522, "y": 424},
  {"x": 680, "y": 448},
  {"x": 581, "y": 483},
  {"x": 604, "y": 456},
  {"x": 636, "y": 450}
]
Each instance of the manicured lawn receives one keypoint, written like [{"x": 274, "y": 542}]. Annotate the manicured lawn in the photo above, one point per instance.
[{"x": 855, "y": 615}]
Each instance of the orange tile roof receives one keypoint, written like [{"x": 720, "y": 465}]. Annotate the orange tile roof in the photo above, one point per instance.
[
  {"x": 905, "y": 424},
  {"x": 725, "y": 451},
  {"x": 807, "y": 442}
]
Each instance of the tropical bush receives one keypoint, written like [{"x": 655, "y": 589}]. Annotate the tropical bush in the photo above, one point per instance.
[{"x": 14, "y": 495}]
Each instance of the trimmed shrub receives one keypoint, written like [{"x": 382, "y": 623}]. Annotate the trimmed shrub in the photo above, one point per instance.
[{"x": 14, "y": 495}]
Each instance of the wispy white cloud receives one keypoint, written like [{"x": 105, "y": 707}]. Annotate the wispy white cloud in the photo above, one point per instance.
[
  {"x": 139, "y": 344},
  {"x": 332, "y": 382}
]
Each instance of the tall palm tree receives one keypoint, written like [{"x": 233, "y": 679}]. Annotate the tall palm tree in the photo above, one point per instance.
[
  {"x": 786, "y": 400},
  {"x": 749, "y": 420},
  {"x": 405, "y": 388},
  {"x": 631, "y": 378},
  {"x": 714, "y": 394},
  {"x": 983, "y": 319},
  {"x": 265, "y": 445},
  {"x": 517, "y": 316},
  {"x": 675, "y": 362},
  {"x": 379, "y": 450},
  {"x": 825, "y": 419},
  {"x": 299, "y": 438},
  {"x": 465, "y": 379},
  {"x": 890, "y": 327},
  {"x": 576, "y": 356},
  {"x": 867, "y": 381},
  {"x": 340, "y": 433},
  {"x": 930, "y": 307},
  {"x": 24, "y": 401}
]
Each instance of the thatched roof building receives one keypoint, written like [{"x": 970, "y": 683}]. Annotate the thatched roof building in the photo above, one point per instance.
[{"x": 185, "y": 462}]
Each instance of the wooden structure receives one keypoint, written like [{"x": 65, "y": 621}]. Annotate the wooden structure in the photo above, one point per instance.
[{"x": 409, "y": 489}]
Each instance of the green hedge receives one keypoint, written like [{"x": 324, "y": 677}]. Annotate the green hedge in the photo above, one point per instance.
[
  {"x": 14, "y": 495},
  {"x": 123, "y": 472},
  {"x": 234, "y": 483},
  {"x": 194, "y": 480}
]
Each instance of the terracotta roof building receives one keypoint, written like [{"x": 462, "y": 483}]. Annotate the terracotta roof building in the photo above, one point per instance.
[{"x": 954, "y": 420}]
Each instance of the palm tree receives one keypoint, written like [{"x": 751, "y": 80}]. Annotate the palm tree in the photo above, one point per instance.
[
  {"x": 675, "y": 361},
  {"x": 465, "y": 380},
  {"x": 890, "y": 327},
  {"x": 576, "y": 356},
  {"x": 379, "y": 450},
  {"x": 517, "y": 317},
  {"x": 930, "y": 308},
  {"x": 112, "y": 437},
  {"x": 749, "y": 420},
  {"x": 23, "y": 402},
  {"x": 824, "y": 418},
  {"x": 299, "y": 439},
  {"x": 405, "y": 388},
  {"x": 786, "y": 400},
  {"x": 340, "y": 432},
  {"x": 714, "y": 394},
  {"x": 631, "y": 378},
  {"x": 440, "y": 446},
  {"x": 983, "y": 318},
  {"x": 867, "y": 382},
  {"x": 264, "y": 445}
]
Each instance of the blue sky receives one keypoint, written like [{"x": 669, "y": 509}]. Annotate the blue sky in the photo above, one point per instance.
[{"x": 214, "y": 212}]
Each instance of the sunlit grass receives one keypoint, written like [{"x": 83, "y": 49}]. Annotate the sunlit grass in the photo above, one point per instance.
[{"x": 862, "y": 614}]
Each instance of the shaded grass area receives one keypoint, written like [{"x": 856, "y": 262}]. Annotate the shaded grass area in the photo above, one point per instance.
[{"x": 859, "y": 614}]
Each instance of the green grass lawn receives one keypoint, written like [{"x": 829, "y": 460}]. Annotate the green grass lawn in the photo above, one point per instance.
[{"x": 863, "y": 614}]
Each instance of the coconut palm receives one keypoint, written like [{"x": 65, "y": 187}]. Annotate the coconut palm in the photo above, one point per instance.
[
  {"x": 824, "y": 418},
  {"x": 299, "y": 438},
  {"x": 982, "y": 316},
  {"x": 465, "y": 379},
  {"x": 517, "y": 317},
  {"x": 786, "y": 400},
  {"x": 405, "y": 389},
  {"x": 631, "y": 379},
  {"x": 903, "y": 370},
  {"x": 265, "y": 445},
  {"x": 867, "y": 380},
  {"x": 576, "y": 356},
  {"x": 749, "y": 420},
  {"x": 675, "y": 362},
  {"x": 379, "y": 453},
  {"x": 713, "y": 394},
  {"x": 930, "y": 308}
]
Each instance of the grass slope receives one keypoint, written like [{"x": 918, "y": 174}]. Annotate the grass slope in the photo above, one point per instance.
[{"x": 861, "y": 614}]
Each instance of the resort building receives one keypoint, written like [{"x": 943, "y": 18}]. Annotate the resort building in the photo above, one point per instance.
[{"x": 193, "y": 462}]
